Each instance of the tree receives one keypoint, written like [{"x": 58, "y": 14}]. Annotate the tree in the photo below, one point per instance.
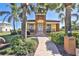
[
  {"x": 25, "y": 10},
  {"x": 67, "y": 7},
  {"x": 74, "y": 22},
  {"x": 11, "y": 15}
]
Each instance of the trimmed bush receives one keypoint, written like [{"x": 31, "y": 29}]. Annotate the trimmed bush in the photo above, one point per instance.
[
  {"x": 23, "y": 46},
  {"x": 57, "y": 38},
  {"x": 77, "y": 39},
  {"x": 13, "y": 32},
  {"x": 19, "y": 31}
]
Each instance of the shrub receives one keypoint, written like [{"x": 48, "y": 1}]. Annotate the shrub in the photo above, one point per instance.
[
  {"x": 19, "y": 31},
  {"x": 18, "y": 46},
  {"x": 23, "y": 47},
  {"x": 77, "y": 39},
  {"x": 31, "y": 44},
  {"x": 57, "y": 38},
  {"x": 13, "y": 32},
  {"x": 7, "y": 51}
]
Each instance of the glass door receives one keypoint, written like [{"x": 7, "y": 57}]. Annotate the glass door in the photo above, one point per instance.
[{"x": 40, "y": 27}]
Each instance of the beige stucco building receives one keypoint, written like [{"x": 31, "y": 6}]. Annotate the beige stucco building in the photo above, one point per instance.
[
  {"x": 5, "y": 27},
  {"x": 41, "y": 24}
]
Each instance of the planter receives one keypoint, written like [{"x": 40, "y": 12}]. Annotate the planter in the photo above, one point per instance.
[{"x": 70, "y": 45}]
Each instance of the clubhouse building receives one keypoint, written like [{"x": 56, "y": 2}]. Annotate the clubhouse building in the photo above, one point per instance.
[{"x": 41, "y": 24}]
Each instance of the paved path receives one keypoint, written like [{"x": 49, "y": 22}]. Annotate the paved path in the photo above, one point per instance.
[
  {"x": 77, "y": 51},
  {"x": 46, "y": 48}
]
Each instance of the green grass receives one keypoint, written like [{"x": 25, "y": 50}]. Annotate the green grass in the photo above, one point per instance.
[
  {"x": 4, "y": 33},
  {"x": 7, "y": 36}
]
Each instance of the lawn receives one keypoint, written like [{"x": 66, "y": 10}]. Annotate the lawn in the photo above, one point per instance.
[
  {"x": 7, "y": 36},
  {"x": 4, "y": 33}
]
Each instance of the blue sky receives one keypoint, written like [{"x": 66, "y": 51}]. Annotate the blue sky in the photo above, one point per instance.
[{"x": 50, "y": 15}]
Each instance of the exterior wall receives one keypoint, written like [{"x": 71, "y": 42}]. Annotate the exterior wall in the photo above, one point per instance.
[
  {"x": 40, "y": 19},
  {"x": 28, "y": 25},
  {"x": 54, "y": 26},
  {"x": 5, "y": 28}
]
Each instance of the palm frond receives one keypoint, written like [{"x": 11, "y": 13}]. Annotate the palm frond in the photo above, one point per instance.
[
  {"x": 61, "y": 15},
  {"x": 77, "y": 17},
  {"x": 10, "y": 18},
  {"x": 4, "y": 12},
  {"x": 5, "y": 17}
]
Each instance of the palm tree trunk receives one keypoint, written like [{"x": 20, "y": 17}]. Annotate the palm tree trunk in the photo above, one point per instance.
[
  {"x": 24, "y": 32},
  {"x": 14, "y": 25},
  {"x": 68, "y": 30}
]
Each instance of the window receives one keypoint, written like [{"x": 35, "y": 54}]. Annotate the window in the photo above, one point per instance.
[
  {"x": 48, "y": 29},
  {"x": 31, "y": 27}
]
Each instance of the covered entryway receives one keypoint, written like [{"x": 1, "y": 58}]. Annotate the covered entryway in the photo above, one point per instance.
[{"x": 40, "y": 27}]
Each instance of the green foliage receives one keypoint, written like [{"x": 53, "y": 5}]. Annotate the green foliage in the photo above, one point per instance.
[
  {"x": 19, "y": 31},
  {"x": 13, "y": 32},
  {"x": 23, "y": 47},
  {"x": 76, "y": 35},
  {"x": 31, "y": 44},
  {"x": 19, "y": 46},
  {"x": 6, "y": 51},
  {"x": 57, "y": 38}
]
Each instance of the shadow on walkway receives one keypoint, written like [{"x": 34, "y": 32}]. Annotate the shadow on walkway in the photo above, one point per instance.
[{"x": 52, "y": 47}]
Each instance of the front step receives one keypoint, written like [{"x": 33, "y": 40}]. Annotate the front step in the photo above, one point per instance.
[{"x": 41, "y": 34}]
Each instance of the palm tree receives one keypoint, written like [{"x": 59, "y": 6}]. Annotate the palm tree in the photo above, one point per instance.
[
  {"x": 75, "y": 21},
  {"x": 67, "y": 7},
  {"x": 25, "y": 10},
  {"x": 68, "y": 19},
  {"x": 11, "y": 15}
]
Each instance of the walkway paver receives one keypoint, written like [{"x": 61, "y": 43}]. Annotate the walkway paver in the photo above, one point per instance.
[
  {"x": 77, "y": 51},
  {"x": 46, "y": 48}
]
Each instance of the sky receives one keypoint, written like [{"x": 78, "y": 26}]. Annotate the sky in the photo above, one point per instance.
[{"x": 51, "y": 15}]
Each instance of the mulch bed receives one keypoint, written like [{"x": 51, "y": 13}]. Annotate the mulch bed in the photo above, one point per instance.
[{"x": 62, "y": 51}]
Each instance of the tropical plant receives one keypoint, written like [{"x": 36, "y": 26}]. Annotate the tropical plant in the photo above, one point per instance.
[
  {"x": 11, "y": 15},
  {"x": 67, "y": 7},
  {"x": 74, "y": 22},
  {"x": 25, "y": 9},
  {"x": 23, "y": 47},
  {"x": 57, "y": 38}
]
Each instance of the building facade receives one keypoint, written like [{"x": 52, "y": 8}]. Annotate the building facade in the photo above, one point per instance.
[
  {"x": 40, "y": 24},
  {"x": 5, "y": 27}
]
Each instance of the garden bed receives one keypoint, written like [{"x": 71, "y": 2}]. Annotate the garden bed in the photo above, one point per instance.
[
  {"x": 58, "y": 39},
  {"x": 19, "y": 46}
]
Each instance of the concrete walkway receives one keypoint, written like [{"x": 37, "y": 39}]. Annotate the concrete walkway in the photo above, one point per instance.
[
  {"x": 77, "y": 51},
  {"x": 46, "y": 48}
]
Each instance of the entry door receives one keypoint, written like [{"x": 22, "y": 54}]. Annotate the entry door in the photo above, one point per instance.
[{"x": 40, "y": 27}]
